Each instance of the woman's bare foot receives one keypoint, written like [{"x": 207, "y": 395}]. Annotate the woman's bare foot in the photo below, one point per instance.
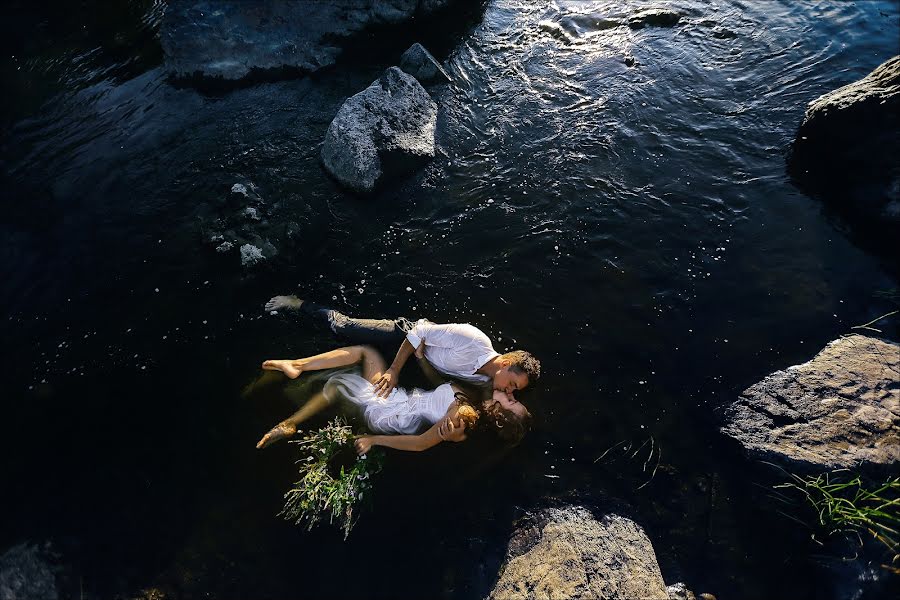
[
  {"x": 285, "y": 366},
  {"x": 279, "y": 302},
  {"x": 280, "y": 431}
]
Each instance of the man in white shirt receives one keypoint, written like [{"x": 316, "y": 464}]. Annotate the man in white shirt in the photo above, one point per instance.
[{"x": 457, "y": 350}]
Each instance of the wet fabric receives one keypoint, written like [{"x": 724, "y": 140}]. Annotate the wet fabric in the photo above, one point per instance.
[{"x": 402, "y": 412}]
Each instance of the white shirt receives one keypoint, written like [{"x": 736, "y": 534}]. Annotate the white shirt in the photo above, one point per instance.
[{"x": 455, "y": 349}]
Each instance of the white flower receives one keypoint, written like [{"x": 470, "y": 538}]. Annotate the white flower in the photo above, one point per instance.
[{"x": 363, "y": 457}]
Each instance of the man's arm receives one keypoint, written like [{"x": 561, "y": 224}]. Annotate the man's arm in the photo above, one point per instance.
[{"x": 415, "y": 338}]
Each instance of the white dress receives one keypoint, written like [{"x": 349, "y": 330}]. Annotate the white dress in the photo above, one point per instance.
[{"x": 402, "y": 412}]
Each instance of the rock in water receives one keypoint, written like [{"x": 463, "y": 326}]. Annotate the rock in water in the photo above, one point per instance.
[
  {"x": 251, "y": 255},
  {"x": 567, "y": 553},
  {"x": 385, "y": 130},
  {"x": 657, "y": 17},
  {"x": 230, "y": 40},
  {"x": 679, "y": 591},
  {"x": 418, "y": 62},
  {"x": 839, "y": 410},
  {"x": 852, "y": 132},
  {"x": 27, "y": 573}
]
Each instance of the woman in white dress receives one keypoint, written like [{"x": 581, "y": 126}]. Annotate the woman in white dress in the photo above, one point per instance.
[{"x": 413, "y": 420}]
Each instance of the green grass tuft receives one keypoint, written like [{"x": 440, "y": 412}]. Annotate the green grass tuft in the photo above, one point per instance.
[{"x": 842, "y": 503}]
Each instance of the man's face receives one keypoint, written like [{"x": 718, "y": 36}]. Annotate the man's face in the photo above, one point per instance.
[{"x": 510, "y": 381}]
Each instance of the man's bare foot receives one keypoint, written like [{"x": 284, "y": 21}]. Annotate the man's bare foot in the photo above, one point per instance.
[
  {"x": 285, "y": 366},
  {"x": 279, "y": 432},
  {"x": 287, "y": 302}
]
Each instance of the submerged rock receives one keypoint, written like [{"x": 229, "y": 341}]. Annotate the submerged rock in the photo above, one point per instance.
[
  {"x": 230, "y": 40},
  {"x": 656, "y": 17},
  {"x": 244, "y": 225},
  {"x": 385, "y": 130},
  {"x": 839, "y": 410},
  {"x": 567, "y": 553},
  {"x": 250, "y": 255},
  {"x": 418, "y": 62}
]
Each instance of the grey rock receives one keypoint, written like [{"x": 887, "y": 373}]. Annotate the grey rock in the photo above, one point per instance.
[
  {"x": 567, "y": 27},
  {"x": 230, "y": 40},
  {"x": 567, "y": 553},
  {"x": 656, "y": 17},
  {"x": 251, "y": 255},
  {"x": 839, "y": 410},
  {"x": 27, "y": 573},
  {"x": 418, "y": 62},
  {"x": 723, "y": 33},
  {"x": 385, "y": 130},
  {"x": 850, "y": 135},
  {"x": 680, "y": 591}
]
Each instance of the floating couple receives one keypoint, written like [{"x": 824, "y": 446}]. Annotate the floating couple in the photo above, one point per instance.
[{"x": 480, "y": 395}]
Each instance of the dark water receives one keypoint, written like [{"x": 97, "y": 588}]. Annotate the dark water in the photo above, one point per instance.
[{"x": 633, "y": 227}]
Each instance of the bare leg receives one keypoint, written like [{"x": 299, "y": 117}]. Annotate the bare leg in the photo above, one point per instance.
[
  {"x": 342, "y": 357},
  {"x": 262, "y": 381},
  {"x": 288, "y": 427},
  {"x": 372, "y": 364}
]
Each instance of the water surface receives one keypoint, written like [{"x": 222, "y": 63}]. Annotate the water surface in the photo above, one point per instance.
[{"x": 632, "y": 226}]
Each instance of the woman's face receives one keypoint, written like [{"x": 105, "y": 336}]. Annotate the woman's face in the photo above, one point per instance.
[{"x": 509, "y": 402}]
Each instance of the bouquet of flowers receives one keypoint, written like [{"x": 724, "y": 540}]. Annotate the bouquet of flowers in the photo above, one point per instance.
[{"x": 333, "y": 480}]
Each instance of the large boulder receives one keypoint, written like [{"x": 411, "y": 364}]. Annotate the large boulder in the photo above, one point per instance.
[
  {"x": 567, "y": 553},
  {"x": 839, "y": 410},
  {"x": 850, "y": 138},
  {"x": 230, "y": 40},
  {"x": 385, "y": 130}
]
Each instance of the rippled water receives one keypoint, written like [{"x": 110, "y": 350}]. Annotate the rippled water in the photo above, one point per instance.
[{"x": 632, "y": 226}]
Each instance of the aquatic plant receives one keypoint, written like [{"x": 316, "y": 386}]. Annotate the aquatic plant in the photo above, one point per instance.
[
  {"x": 333, "y": 480},
  {"x": 842, "y": 503},
  {"x": 629, "y": 450}
]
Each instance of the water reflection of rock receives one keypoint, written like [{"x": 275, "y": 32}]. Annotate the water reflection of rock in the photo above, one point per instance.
[{"x": 233, "y": 40}]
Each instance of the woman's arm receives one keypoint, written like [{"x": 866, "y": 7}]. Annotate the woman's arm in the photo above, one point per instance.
[{"x": 414, "y": 443}]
